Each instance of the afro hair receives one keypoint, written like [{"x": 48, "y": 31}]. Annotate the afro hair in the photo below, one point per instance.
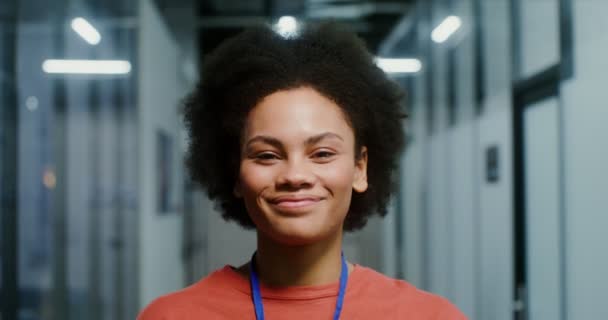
[{"x": 327, "y": 57}]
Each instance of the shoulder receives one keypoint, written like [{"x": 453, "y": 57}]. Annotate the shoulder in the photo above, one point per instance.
[
  {"x": 403, "y": 297},
  {"x": 162, "y": 308},
  {"x": 168, "y": 307},
  {"x": 200, "y": 298}
]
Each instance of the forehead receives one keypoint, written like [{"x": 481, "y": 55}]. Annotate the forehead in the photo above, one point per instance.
[{"x": 296, "y": 113}]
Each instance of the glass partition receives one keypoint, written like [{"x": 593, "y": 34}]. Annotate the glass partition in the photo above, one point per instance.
[{"x": 67, "y": 110}]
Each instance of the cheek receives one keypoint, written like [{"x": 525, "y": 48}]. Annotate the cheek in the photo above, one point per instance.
[
  {"x": 254, "y": 178},
  {"x": 339, "y": 176}
]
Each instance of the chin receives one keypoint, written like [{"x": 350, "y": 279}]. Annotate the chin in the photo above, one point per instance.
[{"x": 298, "y": 233}]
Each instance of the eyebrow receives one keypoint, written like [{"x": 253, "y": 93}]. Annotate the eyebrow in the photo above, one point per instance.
[
  {"x": 327, "y": 135},
  {"x": 277, "y": 143}
]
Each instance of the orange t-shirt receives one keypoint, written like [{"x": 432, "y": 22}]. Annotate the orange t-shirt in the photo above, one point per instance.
[{"x": 225, "y": 294}]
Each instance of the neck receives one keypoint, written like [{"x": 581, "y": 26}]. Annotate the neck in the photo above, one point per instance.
[{"x": 280, "y": 265}]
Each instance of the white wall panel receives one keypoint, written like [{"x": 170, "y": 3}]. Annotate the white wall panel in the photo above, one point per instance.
[
  {"x": 496, "y": 214},
  {"x": 543, "y": 209},
  {"x": 496, "y": 50},
  {"x": 465, "y": 62},
  {"x": 439, "y": 218},
  {"x": 413, "y": 179},
  {"x": 388, "y": 244},
  {"x": 586, "y": 169},
  {"x": 412, "y": 228},
  {"x": 462, "y": 197},
  {"x": 107, "y": 193},
  {"x": 539, "y": 23},
  {"x": 160, "y": 238},
  {"x": 586, "y": 164}
]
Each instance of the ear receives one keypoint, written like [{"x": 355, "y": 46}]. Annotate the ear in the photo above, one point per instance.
[{"x": 360, "y": 178}]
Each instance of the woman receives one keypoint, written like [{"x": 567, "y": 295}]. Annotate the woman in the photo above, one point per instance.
[{"x": 299, "y": 139}]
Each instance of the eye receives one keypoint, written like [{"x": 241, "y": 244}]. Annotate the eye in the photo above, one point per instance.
[
  {"x": 266, "y": 156},
  {"x": 323, "y": 154}
]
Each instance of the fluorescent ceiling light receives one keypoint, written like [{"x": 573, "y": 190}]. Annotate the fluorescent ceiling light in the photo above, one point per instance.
[
  {"x": 87, "y": 66},
  {"x": 86, "y": 30},
  {"x": 445, "y": 29},
  {"x": 393, "y": 65},
  {"x": 287, "y": 25}
]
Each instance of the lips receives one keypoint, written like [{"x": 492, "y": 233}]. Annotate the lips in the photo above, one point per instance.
[{"x": 295, "y": 202}]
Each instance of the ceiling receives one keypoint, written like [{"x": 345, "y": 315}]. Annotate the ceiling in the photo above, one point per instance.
[
  {"x": 371, "y": 19},
  {"x": 214, "y": 20}
]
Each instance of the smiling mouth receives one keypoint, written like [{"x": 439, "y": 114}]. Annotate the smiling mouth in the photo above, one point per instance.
[
  {"x": 295, "y": 203},
  {"x": 291, "y": 204}
]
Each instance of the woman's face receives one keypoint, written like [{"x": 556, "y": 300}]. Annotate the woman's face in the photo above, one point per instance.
[{"x": 298, "y": 168}]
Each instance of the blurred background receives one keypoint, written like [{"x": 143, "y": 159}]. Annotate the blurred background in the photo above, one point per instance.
[{"x": 502, "y": 202}]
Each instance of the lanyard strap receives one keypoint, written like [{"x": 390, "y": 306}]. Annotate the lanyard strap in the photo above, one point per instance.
[{"x": 256, "y": 294}]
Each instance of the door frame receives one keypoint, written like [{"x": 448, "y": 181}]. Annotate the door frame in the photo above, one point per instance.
[{"x": 525, "y": 94}]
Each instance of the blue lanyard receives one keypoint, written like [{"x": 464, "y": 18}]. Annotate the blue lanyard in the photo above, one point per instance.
[{"x": 256, "y": 294}]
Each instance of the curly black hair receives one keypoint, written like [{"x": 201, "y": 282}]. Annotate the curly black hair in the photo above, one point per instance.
[{"x": 258, "y": 62}]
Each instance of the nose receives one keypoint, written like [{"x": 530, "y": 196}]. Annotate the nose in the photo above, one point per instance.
[{"x": 295, "y": 175}]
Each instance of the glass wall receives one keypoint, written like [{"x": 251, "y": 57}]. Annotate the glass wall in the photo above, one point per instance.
[
  {"x": 67, "y": 158},
  {"x": 8, "y": 267}
]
